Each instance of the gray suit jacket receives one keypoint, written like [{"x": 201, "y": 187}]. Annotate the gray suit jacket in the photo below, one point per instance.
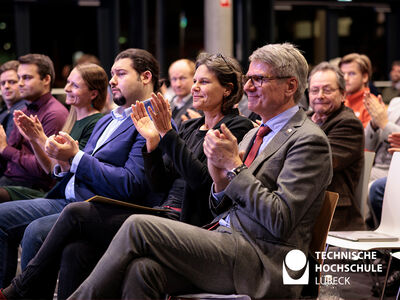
[{"x": 274, "y": 203}]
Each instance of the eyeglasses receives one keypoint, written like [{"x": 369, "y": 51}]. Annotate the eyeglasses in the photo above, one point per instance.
[
  {"x": 219, "y": 55},
  {"x": 325, "y": 90},
  {"x": 258, "y": 80}
]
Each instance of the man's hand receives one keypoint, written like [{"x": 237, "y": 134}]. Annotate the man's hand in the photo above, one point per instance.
[
  {"x": 191, "y": 114},
  {"x": 377, "y": 110},
  {"x": 3, "y": 139},
  {"x": 29, "y": 127},
  {"x": 145, "y": 126},
  {"x": 394, "y": 140},
  {"x": 61, "y": 146}
]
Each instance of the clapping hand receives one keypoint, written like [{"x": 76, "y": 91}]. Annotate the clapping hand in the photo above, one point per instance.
[
  {"x": 3, "y": 139},
  {"x": 377, "y": 110},
  {"x": 222, "y": 153},
  {"x": 394, "y": 140},
  {"x": 161, "y": 114},
  {"x": 29, "y": 127},
  {"x": 61, "y": 147},
  {"x": 145, "y": 126}
]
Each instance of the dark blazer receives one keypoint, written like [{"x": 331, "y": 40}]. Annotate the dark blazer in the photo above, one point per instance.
[
  {"x": 177, "y": 113},
  {"x": 114, "y": 170},
  {"x": 346, "y": 136},
  {"x": 184, "y": 159},
  {"x": 274, "y": 204}
]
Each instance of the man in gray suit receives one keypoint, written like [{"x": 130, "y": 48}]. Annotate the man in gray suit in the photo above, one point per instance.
[{"x": 263, "y": 210}]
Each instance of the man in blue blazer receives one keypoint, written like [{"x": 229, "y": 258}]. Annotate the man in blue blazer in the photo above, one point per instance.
[{"x": 111, "y": 164}]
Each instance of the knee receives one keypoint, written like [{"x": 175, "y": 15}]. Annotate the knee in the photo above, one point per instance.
[
  {"x": 377, "y": 191},
  {"x": 74, "y": 209},
  {"x": 36, "y": 232},
  {"x": 145, "y": 275},
  {"x": 140, "y": 220}
]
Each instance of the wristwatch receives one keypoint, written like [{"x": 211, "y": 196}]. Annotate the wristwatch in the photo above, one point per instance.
[{"x": 232, "y": 173}]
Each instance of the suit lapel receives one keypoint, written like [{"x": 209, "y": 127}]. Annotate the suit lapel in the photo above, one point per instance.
[
  {"x": 120, "y": 130},
  {"x": 101, "y": 126},
  {"x": 280, "y": 138}
]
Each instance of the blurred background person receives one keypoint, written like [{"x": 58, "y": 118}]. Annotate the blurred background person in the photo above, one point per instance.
[
  {"x": 346, "y": 137},
  {"x": 357, "y": 72},
  {"x": 10, "y": 94},
  {"x": 388, "y": 93},
  {"x": 181, "y": 79},
  {"x": 384, "y": 121}
]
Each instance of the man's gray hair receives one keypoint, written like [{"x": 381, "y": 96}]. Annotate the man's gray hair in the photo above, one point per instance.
[
  {"x": 326, "y": 66},
  {"x": 286, "y": 61}
]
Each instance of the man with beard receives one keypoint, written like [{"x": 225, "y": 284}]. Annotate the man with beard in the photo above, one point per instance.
[{"x": 111, "y": 164}]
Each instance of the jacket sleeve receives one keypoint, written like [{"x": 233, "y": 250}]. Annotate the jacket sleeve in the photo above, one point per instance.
[
  {"x": 122, "y": 182},
  {"x": 194, "y": 169},
  {"x": 285, "y": 186},
  {"x": 346, "y": 139},
  {"x": 24, "y": 157}
]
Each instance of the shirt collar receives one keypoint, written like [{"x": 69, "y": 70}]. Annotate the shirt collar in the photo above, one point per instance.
[
  {"x": 119, "y": 113},
  {"x": 38, "y": 103},
  {"x": 276, "y": 123}
]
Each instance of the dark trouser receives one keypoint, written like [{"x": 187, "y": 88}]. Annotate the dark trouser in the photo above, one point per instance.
[
  {"x": 150, "y": 257},
  {"x": 82, "y": 228}
]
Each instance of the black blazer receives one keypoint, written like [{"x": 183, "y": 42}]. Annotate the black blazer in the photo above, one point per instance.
[{"x": 184, "y": 158}]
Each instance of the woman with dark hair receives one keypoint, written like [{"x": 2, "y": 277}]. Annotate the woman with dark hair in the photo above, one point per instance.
[{"x": 217, "y": 88}]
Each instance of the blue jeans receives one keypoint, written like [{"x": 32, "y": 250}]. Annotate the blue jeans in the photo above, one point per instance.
[
  {"x": 15, "y": 216},
  {"x": 376, "y": 193},
  {"x": 79, "y": 237},
  {"x": 34, "y": 236}
]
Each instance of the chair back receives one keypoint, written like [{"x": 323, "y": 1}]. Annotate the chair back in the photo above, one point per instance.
[
  {"x": 318, "y": 241},
  {"x": 390, "y": 219},
  {"x": 323, "y": 222},
  {"x": 361, "y": 190}
]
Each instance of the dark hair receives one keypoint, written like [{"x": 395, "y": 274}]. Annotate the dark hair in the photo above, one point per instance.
[
  {"x": 229, "y": 74},
  {"x": 96, "y": 79},
  {"x": 43, "y": 62},
  {"x": 142, "y": 61},
  {"x": 10, "y": 65}
]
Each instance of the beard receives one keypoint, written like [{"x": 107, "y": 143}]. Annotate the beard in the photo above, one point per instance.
[{"x": 120, "y": 101}]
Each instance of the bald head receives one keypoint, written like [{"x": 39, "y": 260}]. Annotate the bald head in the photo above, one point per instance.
[{"x": 181, "y": 77}]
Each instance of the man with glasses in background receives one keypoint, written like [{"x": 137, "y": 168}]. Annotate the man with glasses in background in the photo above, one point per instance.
[{"x": 326, "y": 89}]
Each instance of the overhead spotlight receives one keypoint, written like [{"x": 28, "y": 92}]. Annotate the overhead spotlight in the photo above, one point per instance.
[{"x": 89, "y": 2}]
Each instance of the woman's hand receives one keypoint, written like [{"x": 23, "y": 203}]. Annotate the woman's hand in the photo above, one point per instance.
[
  {"x": 160, "y": 113},
  {"x": 145, "y": 126}
]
